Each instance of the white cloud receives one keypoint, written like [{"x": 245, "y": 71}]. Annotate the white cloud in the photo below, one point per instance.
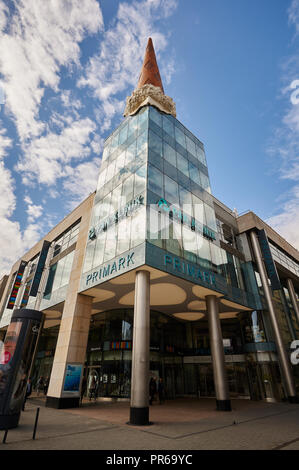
[
  {"x": 3, "y": 16},
  {"x": 293, "y": 12},
  {"x": 286, "y": 146},
  {"x": 287, "y": 221},
  {"x": 43, "y": 36},
  {"x": 13, "y": 242},
  {"x": 5, "y": 142},
  {"x": 34, "y": 211},
  {"x": 47, "y": 157},
  {"x": 82, "y": 182}
]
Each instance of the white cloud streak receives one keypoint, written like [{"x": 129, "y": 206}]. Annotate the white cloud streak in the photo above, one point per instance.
[{"x": 286, "y": 145}]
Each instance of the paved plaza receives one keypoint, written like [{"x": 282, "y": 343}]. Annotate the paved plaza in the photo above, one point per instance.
[{"x": 183, "y": 424}]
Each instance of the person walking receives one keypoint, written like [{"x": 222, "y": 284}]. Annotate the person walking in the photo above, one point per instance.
[
  {"x": 28, "y": 393},
  {"x": 46, "y": 385},
  {"x": 40, "y": 385},
  {"x": 161, "y": 391},
  {"x": 152, "y": 389},
  {"x": 83, "y": 388}
]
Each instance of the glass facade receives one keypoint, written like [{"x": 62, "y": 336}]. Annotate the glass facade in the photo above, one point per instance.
[
  {"x": 109, "y": 355},
  {"x": 154, "y": 187}
]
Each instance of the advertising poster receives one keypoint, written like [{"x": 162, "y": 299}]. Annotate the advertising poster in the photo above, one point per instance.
[{"x": 72, "y": 378}]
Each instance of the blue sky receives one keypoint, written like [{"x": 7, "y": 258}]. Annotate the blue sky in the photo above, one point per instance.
[{"x": 66, "y": 67}]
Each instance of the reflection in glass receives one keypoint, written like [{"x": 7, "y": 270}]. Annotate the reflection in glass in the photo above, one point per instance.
[
  {"x": 210, "y": 217},
  {"x": 171, "y": 190},
  {"x": 140, "y": 180},
  {"x": 155, "y": 143},
  {"x": 124, "y": 232},
  {"x": 204, "y": 253},
  {"x": 156, "y": 116},
  {"x": 138, "y": 227},
  {"x": 155, "y": 180},
  {"x": 99, "y": 249},
  {"x": 169, "y": 154},
  {"x": 168, "y": 126},
  {"x": 180, "y": 137},
  {"x": 183, "y": 165},
  {"x": 189, "y": 244}
]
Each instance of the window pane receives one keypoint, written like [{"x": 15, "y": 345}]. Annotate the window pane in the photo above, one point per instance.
[
  {"x": 131, "y": 152},
  {"x": 102, "y": 178},
  {"x": 155, "y": 143},
  {"x": 140, "y": 180},
  {"x": 115, "y": 198},
  {"x": 198, "y": 208},
  {"x": 183, "y": 165},
  {"x": 180, "y": 137},
  {"x": 156, "y": 116},
  {"x": 171, "y": 190},
  {"x": 155, "y": 180},
  {"x": 190, "y": 244},
  {"x": 120, "y": 162},
  {"x": 205, "y": 182},
  {"x": 128, "y": 188},
  {"x": 174, "y": 242},
  {"x": 138, "y": 227},
  {"x": 204, "y": 253},
  {"x": 168, "y": 126},
  {"x": 190, "y": 146},
  {"x": 105, "y": 153},
  {"x": 142, "y": 142},
  {"x": 194, "y": 173},
  {"x": 185, "y": 201},
  {"x": 132, "y": 125},
  {"x": 105, "y": 207},
  {"x": 99, "y": 249},
  {"x": 123, "y": 239},
  {"x": 110, "y": 246},
  {"x": 110, "y": 171},
  {"x": 123, "y": 135},
  {"x": 142, "y": 116},
  {"x": 201, "y": 155},
  {"x": 169, "y": 154},
  {"x": 67, "y": 268},
  {"x": 210, "y": 217}
]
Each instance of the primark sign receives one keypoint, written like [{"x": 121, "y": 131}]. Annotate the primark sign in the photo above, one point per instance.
[{"x": 161, "y": 260}]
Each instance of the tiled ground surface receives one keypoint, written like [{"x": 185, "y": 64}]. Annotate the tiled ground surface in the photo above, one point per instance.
[{"x": 180, "y": 424}]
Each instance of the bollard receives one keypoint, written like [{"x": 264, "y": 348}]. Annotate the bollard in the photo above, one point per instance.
[
  {"x": 5, "y": 436},
  {"x": 35, "y": 424}
]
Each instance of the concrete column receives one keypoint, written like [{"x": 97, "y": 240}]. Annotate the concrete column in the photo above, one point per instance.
[
  {"x": 218, "y": 359},
  {"x": 293, "y": 298},
  {"x": 285, "y": 365},
  {"x": 139, "y": 410},
  {"x": 70, "y": 349}
]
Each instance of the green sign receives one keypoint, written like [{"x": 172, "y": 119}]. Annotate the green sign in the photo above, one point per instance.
[{"x": 179, "y": 215}]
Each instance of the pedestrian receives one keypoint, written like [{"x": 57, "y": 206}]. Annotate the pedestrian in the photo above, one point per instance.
[
  {"x": 40, "y": 385},
  {"x": 93, "y": 388},
  {"x": 46, "y": 385},
  {"x": 28, "y": 393},
  {"x": 83, "y": 387},
  {"x": 152, "y": 389},
  {"x": 161, "y": 391}
]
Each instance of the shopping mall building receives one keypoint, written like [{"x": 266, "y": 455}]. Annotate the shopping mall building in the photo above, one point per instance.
[{"x": 151, "y": 275}]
